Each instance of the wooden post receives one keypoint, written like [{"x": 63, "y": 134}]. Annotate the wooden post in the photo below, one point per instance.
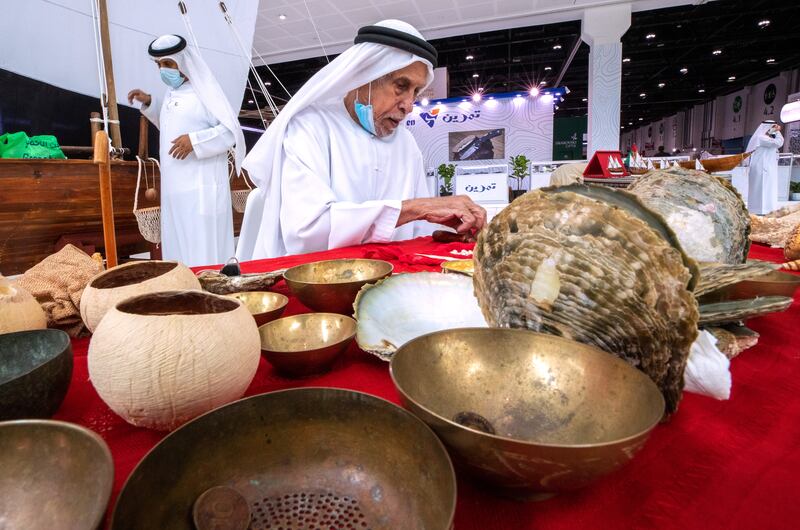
[
  {"x": 106, "y": 204},
  {"x": 113, "y": 113},
  {"x": 94, "y": 124},
  {"x": 143, "y": 148}
]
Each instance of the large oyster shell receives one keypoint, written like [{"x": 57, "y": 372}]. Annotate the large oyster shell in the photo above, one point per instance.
[
  {"x": 706, "y": 212},
  {"x": 405, "y": 306},
  {"x": 562, "y": 263}
]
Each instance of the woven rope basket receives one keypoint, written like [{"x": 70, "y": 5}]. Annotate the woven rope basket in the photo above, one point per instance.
[{"x": 148, "y": 219}]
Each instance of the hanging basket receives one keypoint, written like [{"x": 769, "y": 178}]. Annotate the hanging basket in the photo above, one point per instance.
[
  {"x": 239, "y": 199},
  {"x": 148, "y": 219}
]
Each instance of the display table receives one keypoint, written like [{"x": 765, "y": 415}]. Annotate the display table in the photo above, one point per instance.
[{"x": 716, "y": 464}]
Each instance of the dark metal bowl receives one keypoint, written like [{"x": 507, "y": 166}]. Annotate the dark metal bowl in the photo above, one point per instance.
[
  {"x": 775, "y": 283},
  {"x": 308, "y": 344},
  {"x": 52, "y": 475},
  {"x": 265, "y": 306},
  {"x": 528, "y": 413},
  {"x": 331, "y": 286},
  {"x": 35, "y": 372},
  {"x": 304, "y": 458}
]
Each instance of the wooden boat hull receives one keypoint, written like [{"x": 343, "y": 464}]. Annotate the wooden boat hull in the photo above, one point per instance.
[
  {"x": 713, "y": 165},
  {"x": 43, "y": 202}
]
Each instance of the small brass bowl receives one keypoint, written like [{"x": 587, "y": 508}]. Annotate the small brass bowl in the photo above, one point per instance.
[
  {"x": 35, "y": 373},
  {"x": 265, "y": 306},
  {"x": 528, "y": 413},
  {"x": 331, "y": 286},
  {"x": 54, "y": 475},
  {"x": 308, "y": 344},
  {"x": 775, "y": 283}
]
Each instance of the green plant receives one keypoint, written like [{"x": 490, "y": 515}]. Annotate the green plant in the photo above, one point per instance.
[
  {"x": 447, "y": 172},
  {"x": 794, "y": 187},
  {"x": 519, "y": 168}
]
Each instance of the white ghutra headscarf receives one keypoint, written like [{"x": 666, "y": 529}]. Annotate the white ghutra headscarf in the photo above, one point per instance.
[{"x": 358, "y": 65}]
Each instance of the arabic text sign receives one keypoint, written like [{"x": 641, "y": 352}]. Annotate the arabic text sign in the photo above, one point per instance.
[{"x": 487, "y": 188}]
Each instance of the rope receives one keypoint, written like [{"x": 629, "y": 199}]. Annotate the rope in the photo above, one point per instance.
[{"x": 325, "y": 53}]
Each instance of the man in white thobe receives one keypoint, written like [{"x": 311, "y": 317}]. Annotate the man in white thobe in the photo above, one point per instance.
[
  {"x": 762, "y": 193},
  {"x": 197, "y": 130},
  {"x": 337, "y": 168}
]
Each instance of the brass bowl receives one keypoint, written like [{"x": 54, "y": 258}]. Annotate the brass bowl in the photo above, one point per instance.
[
  {"x": 301, "y": 458},
  {"x": 265, "y": 306},
  {"x": 775, "y": 283},
  {"x": 35, "y": 373},
  {"x": 460, "y": 266},
  {"x": 308, "y": 344},
  {"x": 528, "y": 413},
  {"x": 54, "y": 475},
  {"x": 331, "y": 286}
]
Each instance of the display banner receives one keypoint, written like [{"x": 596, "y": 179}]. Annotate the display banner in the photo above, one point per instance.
[
  {"x": 791, "y": 134},
  {"x": 568, "y": 135},
  {"x": 438, "y": 88},
  {"x": 767, "y": 99},
  {"x": 471, "y": 133},
  {"x": 734, "y": 109}
]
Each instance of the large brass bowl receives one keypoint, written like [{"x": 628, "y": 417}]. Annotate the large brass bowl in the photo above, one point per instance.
[
  {"x": 331, "y": 286},
  {"x": 265, "y": 306},
  {"x": 35, "y": 372},
  {"x": 528, "y": 413},
  {"x": 52, "y": 475},
  {"x": 307, "y": 344},
  {"x": 306, "y": 458},
  {"x": 775, "y": 283}
]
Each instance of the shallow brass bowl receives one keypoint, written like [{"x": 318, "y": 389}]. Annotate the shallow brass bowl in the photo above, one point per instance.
[
  {"x": 302, "y": 458},
  {"x": 775, "y": 283},
  {"x": 265, "y": 306},
  {"x": 331, "y": 286},
  {"x": 35, "y": 373},
  {"x": 461, "y": 266},
  {"x": 53, "y": 475},
  {"x": 528, "y": 413},
  {"x": 307, "y": 344}
]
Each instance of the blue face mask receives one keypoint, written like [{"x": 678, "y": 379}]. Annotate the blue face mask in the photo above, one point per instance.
[
  {"x": 364, "y": 113},
  {"x": 171, "y": 77}
]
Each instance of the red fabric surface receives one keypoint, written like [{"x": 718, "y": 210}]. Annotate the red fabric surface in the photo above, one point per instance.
[{"x": 717, "y": 464}]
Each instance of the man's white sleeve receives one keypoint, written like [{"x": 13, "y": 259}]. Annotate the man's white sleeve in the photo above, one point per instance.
[
  {"x": 312, "y": 218},
  {"x": 153, "y": 110},
  {"x": 212, "y": 141}
]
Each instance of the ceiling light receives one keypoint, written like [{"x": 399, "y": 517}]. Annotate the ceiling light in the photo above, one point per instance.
[
  {"x": 480, "y": 89},
  {"x": 630, "y": 123},
  {"x": 650, "y": 36},
  {"x": 542, "y": 83},
  {"x": 702, "y": 90},
  {"x": 476, "y": 97},
  {"x": 475, "y": 75},
  {"x": 642, "y": 95},
  {"x": 518, "y": 96},
  {"x": 584, "y": 100},
  {"x": 621, "y": 126},
  {"x": 557, "y": 47},
  {"x": 282, "y": 17},
  {"x": 626, "y": 60},
  {"x": 424, "y": 102},
  {"x": 770, "y": 60},
  {"x": 534, "y": 92},
  {"x": 641, "y": 119},
  {"x": 662, "y": 85},
  {"x": 470, "y": 57},
  {"x": 491, "y": 97},
  {"x": 716, "y": 52},
  {"x": 732, "y": 78},
  {"x": 763, "y": 23},
  {"x": 268, "y": 83},
  {"x": 684, "y": 71},
  {"x": 547, "y": 68},
  {"x": 250, "y": 101}
]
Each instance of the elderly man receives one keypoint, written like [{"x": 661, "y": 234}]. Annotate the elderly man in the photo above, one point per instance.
[
  {"x": 336, "y": 168},
  {"x": 198, "y": 127}
]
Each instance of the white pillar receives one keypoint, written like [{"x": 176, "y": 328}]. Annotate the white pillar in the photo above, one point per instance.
[{"x": 602, "y": 28}]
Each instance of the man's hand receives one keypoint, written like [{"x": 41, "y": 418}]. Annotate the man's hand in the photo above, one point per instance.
[
  {"x": 181, "y": 147},
  {"x": 458, "y": 212},
  {"x": 139, "y": 95}
]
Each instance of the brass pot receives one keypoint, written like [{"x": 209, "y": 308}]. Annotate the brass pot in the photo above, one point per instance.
[
  {"x": 331, "y": 286},
  {"x": 301, "y": 458},
  {"x": 775, "y": 283},
  {"x": 528, "y": 413},
  {"x": 303, "y": 345},
  {"x": 54, "y": 475},
  {"x": 265, "y": 306}
]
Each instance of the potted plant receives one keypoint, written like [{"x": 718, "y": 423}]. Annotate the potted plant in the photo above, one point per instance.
[
  {"x": 520, "y": 167},
  {"x": 794, "y": 191},
  {"x": 446, "y": 172}
]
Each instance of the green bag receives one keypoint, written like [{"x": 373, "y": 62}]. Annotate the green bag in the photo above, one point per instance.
[{"x": 19, "y": 145}]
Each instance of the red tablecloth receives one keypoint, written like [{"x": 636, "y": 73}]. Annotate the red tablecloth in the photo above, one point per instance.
[{"x": 716, "y": 464}]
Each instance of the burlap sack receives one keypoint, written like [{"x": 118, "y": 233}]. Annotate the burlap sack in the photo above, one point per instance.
[{"x": 57, "y": 282}]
